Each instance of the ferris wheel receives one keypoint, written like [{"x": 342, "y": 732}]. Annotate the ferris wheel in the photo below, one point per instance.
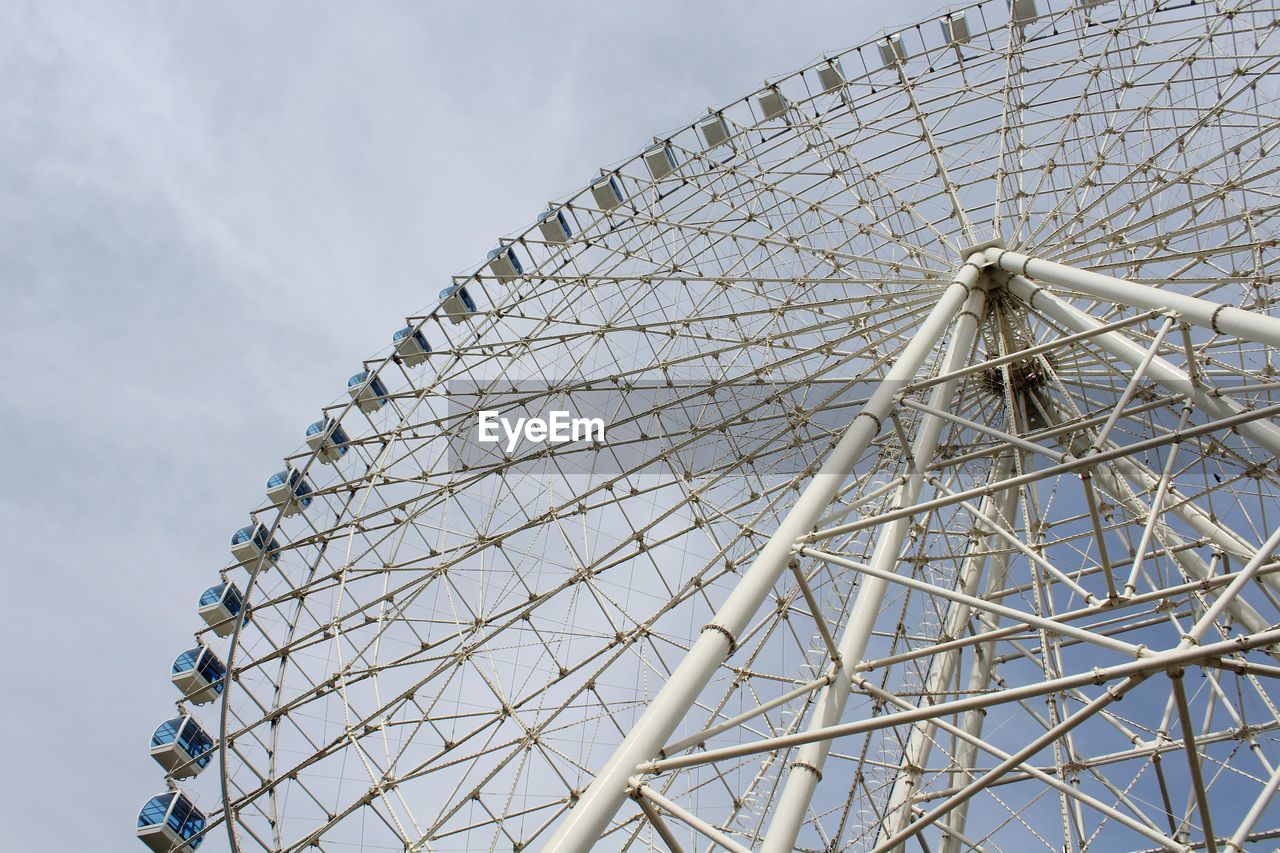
[{"x": 937, "y": 509}]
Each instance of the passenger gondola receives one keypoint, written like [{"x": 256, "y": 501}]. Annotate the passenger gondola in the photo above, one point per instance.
[
  {"x": 169, "y": 822},
  {"x": 181, "y": 747},
  {"x": 289, "y": 491},
  {"x": 369, "y": 392},
  {"x": 199, "y": 674},
  {"x": 219, "y": 606},
  {"x": 328, "y": 439}
]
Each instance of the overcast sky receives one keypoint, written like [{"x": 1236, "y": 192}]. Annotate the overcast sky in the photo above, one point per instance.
[{"x": 209, "y": 215}]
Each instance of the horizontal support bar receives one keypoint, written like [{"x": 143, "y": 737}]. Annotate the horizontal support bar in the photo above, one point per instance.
[{"x": 1194, "y": 655}]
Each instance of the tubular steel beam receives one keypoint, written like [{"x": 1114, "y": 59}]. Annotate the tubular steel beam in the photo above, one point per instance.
[
  {"x": 1238, "y": 840},
  {"x": 1191, "y": 655},
  {"x": 644, "y": 792},
  {"x": 659, "y": 825},
  {"x": 737, "y": 720},
  {"x": 1019, "y": 617},
  {"x": 1240, "y": 421},
  {"x": 920, "y": 741},
  {"x": 1221, "y": 319},
  {"x": 1111, "y": 694},
  {"x": 1193, "y": 758},
  {"x": 1027, "y": 770},
  {"x": 980, "y": 673},
  {"x": 583, "y": 825},
  {"x": 1160, "y": 370},
  {"x": 806, "y": 770}
]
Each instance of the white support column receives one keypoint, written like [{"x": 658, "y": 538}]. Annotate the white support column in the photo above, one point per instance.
[
  {"x": 1221, "y": 319},
  {"x": 806, "y": 769},
  {"x": 582, "y": 826}
]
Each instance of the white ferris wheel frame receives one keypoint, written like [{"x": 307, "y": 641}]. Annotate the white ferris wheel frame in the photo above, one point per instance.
[{"x": 937, "y": 358}]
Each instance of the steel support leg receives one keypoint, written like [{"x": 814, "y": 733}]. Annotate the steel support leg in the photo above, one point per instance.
[
  {"x": 980, "y": 675},
  {"x": 805, "y": 771},
  {"x": 583, "y": 825}
]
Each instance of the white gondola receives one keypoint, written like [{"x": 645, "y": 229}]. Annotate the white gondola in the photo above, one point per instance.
[
  {"x": 1023, "y": 11},
  {"x": 714, "y": 130},
  {"x": 411, "y": 346},
  {"x": 660, "y": 159},
  {"x": 773, "y": 104},
  {"x": 199, "y": 675},
  {"x": 368, "y": 391},
  {"x": 955, "y": 29},
  {"x": 607, "y": 192},
  {"x": 554, "y": 227},
  {"x": 328, "y": 439},
  {"x": 168, "y": 822},
  {"x": 251, "y": 543},
  {"x": 289, "y": 491},
  {"x": 891, "y": 50},
  {"x": 831, "y": 75},
  {"x": 219, "y": 606},
  {"x": 504, "y": 264},
  {"x": 181, "y": 747},
  {"x": 457, "y": 303}
]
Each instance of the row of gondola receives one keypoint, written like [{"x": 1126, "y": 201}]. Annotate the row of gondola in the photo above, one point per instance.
[{"x": 171, "y": 821}]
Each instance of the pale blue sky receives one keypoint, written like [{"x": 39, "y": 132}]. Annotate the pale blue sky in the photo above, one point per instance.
[{"x": 209, "y": 214}]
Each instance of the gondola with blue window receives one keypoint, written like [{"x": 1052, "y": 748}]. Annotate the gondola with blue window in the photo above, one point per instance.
[
  {"x": 554, "y": 227},
  {"x": 369, "y": 392},
  {"x": 411, "y": 346},
  {"x": 328, "y": 439},
  {"x": 289, "y": 491},
  {"x": 253, "y": 542},
  {"x": 607, "y": 192},
  {"x": 457, "y": 303},
  {"x": 660, "y": 159},
  {"x": 219, "y": 606},
  {"x": 199, "y": 675},
  {"x": 504, "y": 263},
  {"x": 169, "y": 822},
  {"x": 181, "y": 747}
]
